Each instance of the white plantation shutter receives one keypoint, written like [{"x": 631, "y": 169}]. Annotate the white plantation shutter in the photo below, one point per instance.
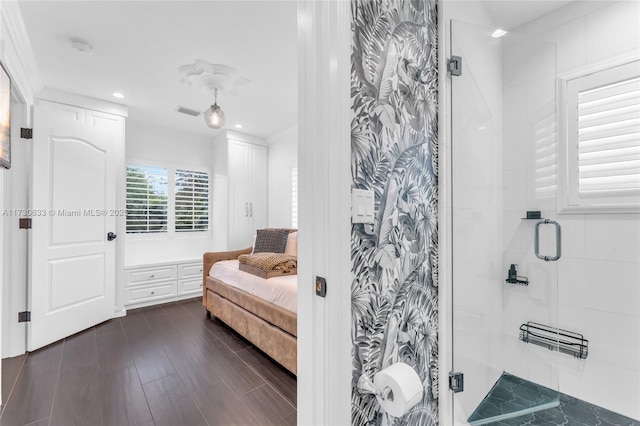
[
  {"x": 603, "y": 123},
  {"x": 294, "y": 195},
  {"x": 146, "y": 193},
  {"x": 191, "y": 201}
]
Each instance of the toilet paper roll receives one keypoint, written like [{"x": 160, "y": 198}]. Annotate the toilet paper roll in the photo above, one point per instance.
[{"x": 404, "y": 388}]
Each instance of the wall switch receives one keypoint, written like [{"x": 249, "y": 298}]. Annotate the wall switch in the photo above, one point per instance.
[
  {"x": 362, "y": 206},
  {"x": 321, "y": 287}
]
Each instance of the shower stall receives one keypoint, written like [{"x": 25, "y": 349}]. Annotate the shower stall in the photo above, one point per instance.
[{"x": 530, "y": 304}]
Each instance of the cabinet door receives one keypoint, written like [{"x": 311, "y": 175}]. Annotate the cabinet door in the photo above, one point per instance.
[
  {"x": 240, "y": 232},
  {"x": 258, "y": 173}
]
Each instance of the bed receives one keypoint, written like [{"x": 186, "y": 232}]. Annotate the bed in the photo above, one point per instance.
[{"x": 264, "y": 311}]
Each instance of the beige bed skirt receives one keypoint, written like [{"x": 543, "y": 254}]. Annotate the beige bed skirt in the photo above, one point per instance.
[{"x": 269, "y": 327}]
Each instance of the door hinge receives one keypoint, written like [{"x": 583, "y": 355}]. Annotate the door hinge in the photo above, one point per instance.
[
  {"x": 24, "y": 316},
  {"x": 456, "y": 382},
  {"x": 25, "y": 223},
  {"x": 455, "y": 65},
  {"x": 26, "y": 133}
]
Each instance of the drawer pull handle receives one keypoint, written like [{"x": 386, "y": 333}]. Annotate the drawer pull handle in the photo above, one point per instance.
[
  {"x": 151, "y": 276},
  {"x": 153, "y": 292},
  {"x": 200, "y": 285},
  {"x": 200, "y": 269}
]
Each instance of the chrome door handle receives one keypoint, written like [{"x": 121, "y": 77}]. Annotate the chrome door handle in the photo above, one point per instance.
[
  {"x": 246, "y": 209},
  {"x": 250, "y": 209},
  {"x": 536, "y": 241}
]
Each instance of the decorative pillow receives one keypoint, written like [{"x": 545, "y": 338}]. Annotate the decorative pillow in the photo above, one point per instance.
[
  {"x": 292, "y": 244},
  {"x": 271, "y": 241}
]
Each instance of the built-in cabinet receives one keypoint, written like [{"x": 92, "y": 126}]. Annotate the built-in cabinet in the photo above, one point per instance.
[
  {"x": 162, "y": 282},
  {"x": 239, "y": 190}
]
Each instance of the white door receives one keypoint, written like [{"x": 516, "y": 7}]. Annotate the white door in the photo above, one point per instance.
[{"x": 73, "y": 275}]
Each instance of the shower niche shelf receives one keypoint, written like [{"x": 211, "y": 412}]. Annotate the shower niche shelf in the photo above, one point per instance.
[{"x": 555, "y": 339}]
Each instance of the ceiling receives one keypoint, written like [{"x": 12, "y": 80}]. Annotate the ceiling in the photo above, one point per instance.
[
  {"x": 510, "y": 14},
  {"x": 139, "y": 46}
]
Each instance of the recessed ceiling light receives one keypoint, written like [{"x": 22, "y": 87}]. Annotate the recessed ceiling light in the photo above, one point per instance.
[
  {"x": 238, "y": 126},
  {"x": 118, "y": 95},
  {"x": 498, "y": 33}
]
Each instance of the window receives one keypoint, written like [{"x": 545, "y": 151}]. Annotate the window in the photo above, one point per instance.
[
  {"x": 166, "y": 199},
  {"x": 294, "y": 195},
  {"x": 192, "y": 201},
  {"x": 147, "y": 195},
  {"x": 603, "y": 139}
]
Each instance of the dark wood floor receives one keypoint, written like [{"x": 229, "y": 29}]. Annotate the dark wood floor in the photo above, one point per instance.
[{"x": 162, "y": 365}]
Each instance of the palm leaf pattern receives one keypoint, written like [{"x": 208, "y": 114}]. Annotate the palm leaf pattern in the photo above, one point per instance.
[{"x": 394, "y": 145}]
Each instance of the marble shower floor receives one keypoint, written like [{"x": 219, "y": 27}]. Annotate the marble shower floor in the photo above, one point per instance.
[{"x": 513, "y": 394}]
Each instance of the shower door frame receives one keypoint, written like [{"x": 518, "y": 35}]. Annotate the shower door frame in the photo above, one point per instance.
[{"x": 448, "y": 400}]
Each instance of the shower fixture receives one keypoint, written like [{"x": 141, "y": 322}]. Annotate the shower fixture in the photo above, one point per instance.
[{"x": 513, "y": 278}]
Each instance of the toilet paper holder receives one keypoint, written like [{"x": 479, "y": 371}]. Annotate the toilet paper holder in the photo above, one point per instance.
[
  {"x": 398, "y": 388},
  {"x": 366, "y": 386}
]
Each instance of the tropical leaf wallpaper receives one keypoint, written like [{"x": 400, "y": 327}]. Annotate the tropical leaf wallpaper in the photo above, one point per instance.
[{"x": 394, "y": 145}]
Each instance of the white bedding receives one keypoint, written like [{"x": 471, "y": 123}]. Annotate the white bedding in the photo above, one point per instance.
[{"x": 281, "y": 291}]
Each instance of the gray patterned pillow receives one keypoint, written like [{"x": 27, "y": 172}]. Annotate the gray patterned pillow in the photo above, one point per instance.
[{"x": 271, "y": 240}]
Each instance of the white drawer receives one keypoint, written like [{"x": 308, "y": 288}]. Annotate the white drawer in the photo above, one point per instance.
[
  {"x": 190, "y": 286},
  {"x": 141, "y": 294},
  {"x": 189, "y": 270},
  {"x": 141, "y": 276}
]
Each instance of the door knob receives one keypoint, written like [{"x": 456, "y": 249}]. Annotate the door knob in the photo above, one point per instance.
[{"x": 111, "y": 236}]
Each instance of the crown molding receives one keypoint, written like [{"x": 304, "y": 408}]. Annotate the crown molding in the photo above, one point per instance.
[
  {"x": 53, "y": 95},
  {"x": 17, "y": 54}
]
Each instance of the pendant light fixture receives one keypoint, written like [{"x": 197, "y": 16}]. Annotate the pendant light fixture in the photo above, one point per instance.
[
  {"x": 214, "y": 116},
  {"x": 210, "y": 78}
]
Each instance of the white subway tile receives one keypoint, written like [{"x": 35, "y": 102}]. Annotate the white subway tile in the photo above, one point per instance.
[
  {"x": 546, "y": 24},
  {"x": 573, "y": 235},
  {"x": 517, "y": 146},
  {"x": 518, "y": 237},
  {"x": 613, "y": 30},
  {"x": 611, "y": 387},
  {"x": 515, "y": 105},
  {"x": 572, "y": 318},
  {"x": 515, "y": 190},
  {"x": 541, "y": 98},
  {"x": 607, "y": 286},
  {"x": 613, "y": 237},
  {"x": 571, "y": 44},
  {"x": 614, "y": 338}
]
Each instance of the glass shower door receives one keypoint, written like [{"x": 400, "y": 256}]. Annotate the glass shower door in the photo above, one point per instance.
[{"x": 503, "y": 171}]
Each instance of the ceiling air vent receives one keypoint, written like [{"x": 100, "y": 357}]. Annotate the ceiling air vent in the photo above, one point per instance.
[{"x": 188, "y": 111}]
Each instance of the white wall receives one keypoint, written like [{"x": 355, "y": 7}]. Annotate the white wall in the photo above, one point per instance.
[
  {"x": 283, "y": 151},
  {"x": 17, "y": 57},
  {"x": 599, "y": 273},
  {"x": 165, "y": 146}
]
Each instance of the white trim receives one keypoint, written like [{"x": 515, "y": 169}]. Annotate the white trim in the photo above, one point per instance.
[
  {"x": 171, "y": 233},
  {"x": 48, "y": 94},
  {"x": 567, "y": 180},
  {"x": 243, "y": 137},
  {"x": 324, "y": 111},
  {"x": 593, "y": 67},
  {"x": 17, "y": 54}
]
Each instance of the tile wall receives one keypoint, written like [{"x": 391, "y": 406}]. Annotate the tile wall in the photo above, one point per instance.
[{"x": 598, "y": 277}]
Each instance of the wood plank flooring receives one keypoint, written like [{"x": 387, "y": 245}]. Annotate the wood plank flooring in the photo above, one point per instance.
[{"x": 162, "y": 365}]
